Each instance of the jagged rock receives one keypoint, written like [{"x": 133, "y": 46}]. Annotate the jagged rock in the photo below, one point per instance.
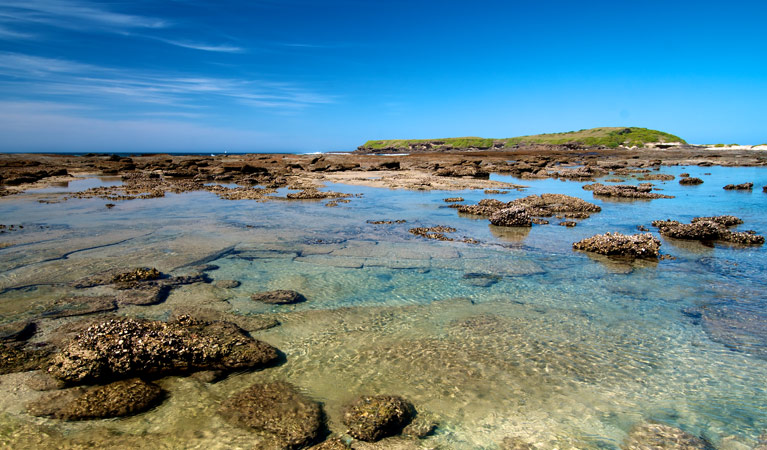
[
  {"x": 739, "y": 187},
  {"x": 690, "y": 181},
  {"x": 616, "y": 244},
  {"x": 124, "y": 348},
  {"x": 625, "y": 191},
  {"x": 437, "y": 232},
  {"x": 371, "y": 418},
  {"x": 227, "y": 284},
  {"x": 314, "y": 194},
  {"x": 279, "y": 409},
  {"x": 278, "y": 297},
  {"x": 708, "y": 229},
  {"x": 17, "y": 331},
  {"x": 516, "y": 216},
  {"x": 653, "y": 436},
  {"x": 139, "y": 274},
  {"x": 118, "y": 399},
  {"x": 485, "y": 207}
]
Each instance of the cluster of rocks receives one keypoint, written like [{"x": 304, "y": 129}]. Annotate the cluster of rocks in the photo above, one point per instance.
[
  {"x": 709, "y": 229},
  {"x": 642, "y": 191},
  {"x": 739, "y": 187},
  {"x": 524, "y": 212},
  {"x": 632, "y": 246}
]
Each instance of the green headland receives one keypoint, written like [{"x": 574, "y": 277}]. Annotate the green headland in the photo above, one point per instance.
[{"x": 610, "y": 137}]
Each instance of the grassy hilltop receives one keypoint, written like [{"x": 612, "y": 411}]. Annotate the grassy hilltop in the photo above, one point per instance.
[{"x": 610, "y": 137}]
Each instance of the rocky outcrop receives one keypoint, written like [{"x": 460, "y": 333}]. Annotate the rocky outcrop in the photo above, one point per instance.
[
  {"x": 708, "y": 229},
  {"x": 436, "y": 232},
  {"x": 279, "y": 409},
  {"x": 122, "y": 348},
  {"x": 617, "y": 244},
  {"x": 278, "y": 297},
  {"x": 643, "y": 191},
  {"x": 370, "y": 418},
  {"x": 544, "y": 205},
  {"x": 516, "y": 216},
  {"x": 690, "y": 181},
  {"x": 653, "y": 436},
  {"x": 118, "y": 399},
  {"x": 314, "y": 194},
  {"x": 739, "y": 187},
  {"x": 226, "y": 284}
]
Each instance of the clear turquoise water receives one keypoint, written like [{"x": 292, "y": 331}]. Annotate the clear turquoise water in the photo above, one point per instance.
[{"x": 565, "y": 350}]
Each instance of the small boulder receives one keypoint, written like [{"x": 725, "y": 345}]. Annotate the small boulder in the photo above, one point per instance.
[
  {"x": 277, "y": 408},
  {"x": 739, "y": 187},
  {"x": 690, "y": 181},
  {"x": 371, "y": 418},
  {"x": 118, "y": 399},
  {"x": 278, "y": 297}
]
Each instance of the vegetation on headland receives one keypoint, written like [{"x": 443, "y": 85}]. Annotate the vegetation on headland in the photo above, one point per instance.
[{"x": 610, "y": 137}]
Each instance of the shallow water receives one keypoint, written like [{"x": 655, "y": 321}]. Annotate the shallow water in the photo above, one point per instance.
[{"x": 562, "y": 349}]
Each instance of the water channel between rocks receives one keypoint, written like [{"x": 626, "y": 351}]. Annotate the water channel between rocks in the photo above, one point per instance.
[{"x": 515, "y": 336}]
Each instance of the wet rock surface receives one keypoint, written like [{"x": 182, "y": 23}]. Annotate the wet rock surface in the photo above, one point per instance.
[
  {"x": 16, "y": 357},
  {"x": 708, "y": 229},
  {"x": 279, "y": 409},
  {"x": 124, "y": 348},
  {"x": 370, "y": 418},
  {"x": 118, "y": 399},
  {"x": 515, "y": 443},
  {"x": 643, "y": 245},
  {"x": 278, "y": 297},
  {"x": 642, "y": 191},
  {"x": 652, "y": 436},
  {"x": 739, "y": 187}
]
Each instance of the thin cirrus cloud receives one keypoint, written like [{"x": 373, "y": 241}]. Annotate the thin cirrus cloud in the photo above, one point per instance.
[
  {"x": 16, "y": 17},
  {"x": 65, "y": 80}
]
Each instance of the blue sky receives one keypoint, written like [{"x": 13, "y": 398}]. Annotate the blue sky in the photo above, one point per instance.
[{"x": 300, "y": 75}]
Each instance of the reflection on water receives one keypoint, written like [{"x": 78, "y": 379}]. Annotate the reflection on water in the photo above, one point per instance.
[{"x": 517, "y": 336}]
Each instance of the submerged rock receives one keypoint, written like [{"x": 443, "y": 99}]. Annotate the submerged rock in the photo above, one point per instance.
[
  {"x": 17, "y": 331},
  {"x": 330, "y": 444},
  {"x": 15, "y": 357},
  {"x": 80, "y": 306},
  {"x": 118, "y": 399},
  {"x": 123, "y": 348},
  {"x": 616, "y": 244},
  {"x": 652, "y": 436},
  {"x": 277, "y": 408},
  {"x": 371, "y": 418},
  {"x": 515, "y": 443},
  {"x": 739, "y": 187},
  {"x": 278, "y": 297},
  {"x": 227, "y": 284}
]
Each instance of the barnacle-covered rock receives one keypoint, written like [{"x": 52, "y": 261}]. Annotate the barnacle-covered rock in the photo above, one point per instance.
[
  {"x": 643, "y": 245},
  {"x": 371, "y": 418}
]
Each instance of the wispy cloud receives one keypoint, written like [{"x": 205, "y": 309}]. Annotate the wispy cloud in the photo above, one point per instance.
[
  {"x": 74, "y": 15},
  {"x": 204, "y": 47},
  {"x": 67, "y": 80}
]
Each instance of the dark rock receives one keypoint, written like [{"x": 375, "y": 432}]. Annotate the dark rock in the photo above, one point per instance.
[
  {"x": 516, "y": 216},
  {"x": 118, "y": 399},
  {"x": 371, "y": 418},
  {"x": 15, "y": 357},
  {"x": 708, "y": 229},
  {"x": 653, "y": 436},
  {"x": 279, "y": 409},
  {"x": 278, "y": 297},
  {"x": 617, "y": 244},
  {"x": 690, "y": 181},
  {"x": 624, "y": 191},
  {"x": 124, "y": 348},
  {"x": 739, "y": 187},
  {"x": 227, "y": 284},
  {"x": 17, "y": 331}
]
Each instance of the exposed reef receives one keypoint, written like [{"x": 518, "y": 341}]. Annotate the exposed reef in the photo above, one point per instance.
[
  {"x": 708, "y": 229},
  {"x": 642, "y": 191},
  {"x": 616, "y": 244}
]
